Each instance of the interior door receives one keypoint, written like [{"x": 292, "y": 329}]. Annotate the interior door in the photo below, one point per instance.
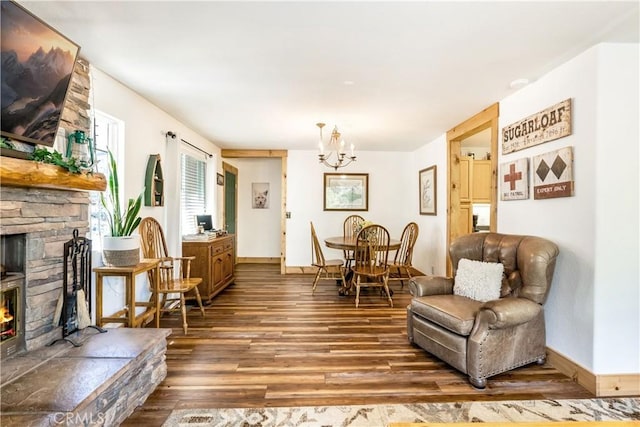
[
  {"x": 230, "y": 198},
  {"x": 458, "y": 212}
]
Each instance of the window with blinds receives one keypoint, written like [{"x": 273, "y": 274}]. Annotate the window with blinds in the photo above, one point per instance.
[
  {"x": 193, "y": 200},
  {"x": 106, "y": 135}
]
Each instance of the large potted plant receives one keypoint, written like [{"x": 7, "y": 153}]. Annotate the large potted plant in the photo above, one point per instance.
[{"x": 120, "y": 249}]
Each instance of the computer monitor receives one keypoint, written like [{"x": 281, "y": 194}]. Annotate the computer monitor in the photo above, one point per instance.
[{"x": 205, "y": 222}]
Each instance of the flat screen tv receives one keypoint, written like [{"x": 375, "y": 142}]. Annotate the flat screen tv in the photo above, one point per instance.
[{"x": 37, "y": 64}]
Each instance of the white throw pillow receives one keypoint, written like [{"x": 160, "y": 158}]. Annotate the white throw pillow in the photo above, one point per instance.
[{"x": 478, "y": 280}]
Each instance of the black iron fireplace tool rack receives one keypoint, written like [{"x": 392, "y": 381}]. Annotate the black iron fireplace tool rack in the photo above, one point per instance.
[{"x": 76, "y": 288}]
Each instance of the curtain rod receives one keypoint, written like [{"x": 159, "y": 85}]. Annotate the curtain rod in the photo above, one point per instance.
[
  {"x": 197, "y": 148},
  {"x": 173, "y": 136}
]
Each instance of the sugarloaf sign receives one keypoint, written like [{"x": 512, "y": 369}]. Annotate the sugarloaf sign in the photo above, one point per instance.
[{"x": 544, "y": 126}]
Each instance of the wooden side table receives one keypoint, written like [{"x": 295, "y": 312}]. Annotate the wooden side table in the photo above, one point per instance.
[{"x": 127, "y": 315}]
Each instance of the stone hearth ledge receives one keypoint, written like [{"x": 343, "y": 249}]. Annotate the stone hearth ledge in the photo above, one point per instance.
[{"x": 99, "y": 383}]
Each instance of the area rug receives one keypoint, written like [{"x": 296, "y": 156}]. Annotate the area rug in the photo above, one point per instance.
[{"x": 620, "y": 409}]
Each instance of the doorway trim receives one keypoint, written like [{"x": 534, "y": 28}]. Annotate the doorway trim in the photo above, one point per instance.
[
  {"x": 487, "y": 118},
  {"x": 263, "y": 154},
  {"x": 226, "y": 167}
]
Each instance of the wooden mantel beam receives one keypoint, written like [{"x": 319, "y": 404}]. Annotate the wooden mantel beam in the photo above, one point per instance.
[
  {"x": 228, "y": 153},
  {"x": 28, "y": 173}
]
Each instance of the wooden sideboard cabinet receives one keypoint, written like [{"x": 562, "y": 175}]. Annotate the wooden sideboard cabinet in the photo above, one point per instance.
[{"x": 214, "y": 263}]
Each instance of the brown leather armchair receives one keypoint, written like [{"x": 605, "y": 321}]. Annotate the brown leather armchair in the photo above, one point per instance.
[{"x": 483, "y": 339}]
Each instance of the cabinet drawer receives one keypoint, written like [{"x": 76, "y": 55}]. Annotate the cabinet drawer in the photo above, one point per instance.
[
  {"x": 217, "y": 249},
  {"x": 228, "y": 245}
]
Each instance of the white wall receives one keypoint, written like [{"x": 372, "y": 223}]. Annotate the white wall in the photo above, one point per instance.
[
  {"x": 617, "y": 278},
  {"x": 391, "y": 186},
  {"x": 430, "y": 253},
  {"x": 592, "y": 309},
  {"x": 145, "y": 126},
  {"x": 258, "y": 230}
]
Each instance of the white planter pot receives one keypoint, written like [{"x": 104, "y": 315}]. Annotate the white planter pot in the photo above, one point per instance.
[{"x": 121, "y": 251}]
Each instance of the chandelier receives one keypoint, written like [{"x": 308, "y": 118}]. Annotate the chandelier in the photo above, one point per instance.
[{"x": 336, "y": 157}]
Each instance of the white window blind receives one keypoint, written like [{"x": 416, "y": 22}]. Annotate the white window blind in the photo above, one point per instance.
[{"x": 193, "y": 195}]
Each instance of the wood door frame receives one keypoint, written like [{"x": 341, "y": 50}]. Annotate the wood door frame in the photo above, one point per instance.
[
  {"x": 226, "y": 167},
  {"x": 487, "y": 118},
  {"x": 264, "y": 154}
]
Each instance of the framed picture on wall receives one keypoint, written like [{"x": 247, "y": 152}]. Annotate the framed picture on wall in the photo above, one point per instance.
[
  {"x": 346, "y": 191},
  {"x": 514, "y": 180},
  {"x": 553, "y": 174},
  {"x": 32, "y": 107},
  {"x": 427, "y": 187},
  {"x": 260, "y": 195}
]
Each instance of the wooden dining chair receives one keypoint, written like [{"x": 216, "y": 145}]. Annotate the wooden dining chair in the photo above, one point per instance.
[
  {"x": 402, "y": 260},
  {"x": 328, "y": 266},
  {"x": 154, "y": 245},
  {"x": 350, "y": 228},
  {"x": 370, "y": 267}
]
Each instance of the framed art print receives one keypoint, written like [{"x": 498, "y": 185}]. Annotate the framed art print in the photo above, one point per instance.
[
  {"x": 260, "y": 195},
  {"x": 427, "y": 187},
  {"x": 346, "y": 191},
  {"x": 36, "y": 76}
]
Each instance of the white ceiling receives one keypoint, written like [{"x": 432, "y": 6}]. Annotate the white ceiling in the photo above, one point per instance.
[{"x": 261, "y": 74}]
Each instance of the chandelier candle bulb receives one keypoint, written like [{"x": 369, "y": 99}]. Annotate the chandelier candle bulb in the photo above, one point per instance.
[{"x": 336, "y": 149}]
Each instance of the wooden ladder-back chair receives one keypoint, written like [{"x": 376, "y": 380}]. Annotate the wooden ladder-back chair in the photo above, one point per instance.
[
  {"x": 350, "y": 229},
  {"x": 329, "y": 266},
  {"x": 403, "y": 258},
  {"x": 371, "y": 260},
  {"x": 154, "y": 245}
]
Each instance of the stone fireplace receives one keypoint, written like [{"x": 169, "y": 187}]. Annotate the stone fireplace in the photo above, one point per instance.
[
  {"x": 44, "y": 219},
  {"x": 44, "y": 204}
]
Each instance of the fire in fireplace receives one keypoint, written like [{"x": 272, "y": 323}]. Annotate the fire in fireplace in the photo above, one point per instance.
[
  {"x": 8, "y": 304},
  {"x": 12, "y": 282}
]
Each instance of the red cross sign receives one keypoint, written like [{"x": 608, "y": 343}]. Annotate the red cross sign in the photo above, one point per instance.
[{"x": 512, "y": 177}]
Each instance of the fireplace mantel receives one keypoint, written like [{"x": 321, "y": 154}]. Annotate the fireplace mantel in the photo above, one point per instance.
[{"x": 28, "y": 173}]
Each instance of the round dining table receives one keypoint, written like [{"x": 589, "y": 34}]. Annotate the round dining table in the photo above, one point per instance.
[{"x": 348, "y": 243}]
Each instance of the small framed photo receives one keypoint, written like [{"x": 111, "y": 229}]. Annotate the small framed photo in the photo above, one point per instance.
[
  {"x": 427, "y": 187},
  {"x": 346, "y": 191},
  {"x": 220, "y": 179},
  {"x": 260, "y": 195}
]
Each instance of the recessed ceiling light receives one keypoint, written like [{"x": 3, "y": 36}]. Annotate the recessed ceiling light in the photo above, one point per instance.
[
  {"x": 519, "y": 83},
  {"x": 348, "y": 82}
]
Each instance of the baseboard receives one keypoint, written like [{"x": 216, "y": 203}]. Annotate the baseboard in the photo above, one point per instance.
[
  {"x": 257, "y": 260},
  {"x": 607, "y": 385},
  {"x": 618, "y": 385}
]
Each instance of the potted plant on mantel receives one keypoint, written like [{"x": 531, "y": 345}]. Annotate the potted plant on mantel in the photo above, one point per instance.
[{"x": 120, "y": 249}]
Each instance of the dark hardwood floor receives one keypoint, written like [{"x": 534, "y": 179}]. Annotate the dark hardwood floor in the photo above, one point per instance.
[{"x": 267, "y": 341}]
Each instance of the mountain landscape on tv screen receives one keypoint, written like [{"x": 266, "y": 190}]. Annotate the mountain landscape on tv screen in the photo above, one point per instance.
[{"x": 33, "y": 92}]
